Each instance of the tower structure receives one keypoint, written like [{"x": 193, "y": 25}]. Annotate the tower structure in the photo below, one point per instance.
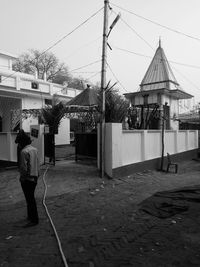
[{"x": 159, "y": 95}]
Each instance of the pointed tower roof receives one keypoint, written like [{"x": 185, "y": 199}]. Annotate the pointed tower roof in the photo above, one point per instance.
[
  {"x": 159, "y": 78},
  {"x": 159, "y": 75}
]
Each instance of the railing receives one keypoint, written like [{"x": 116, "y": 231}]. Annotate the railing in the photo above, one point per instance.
[{"x": 24, "y": 81}]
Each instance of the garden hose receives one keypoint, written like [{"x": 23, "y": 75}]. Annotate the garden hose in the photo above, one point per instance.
[{"x": 52, "y": 224}]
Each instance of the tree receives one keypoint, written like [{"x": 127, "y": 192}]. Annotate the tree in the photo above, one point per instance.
[
  {"x": 116, "y": 106},
  {"x": 34, "y": 61},
  {"x": 78, "y": 83},
  {"x": 52, "y": 115}
]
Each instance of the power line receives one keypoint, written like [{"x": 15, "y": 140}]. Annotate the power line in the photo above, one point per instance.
[
  {"x": 85, "y": 72},
  {"x": 79, "y": 48},
  {"x": 142, "y": 55},
  {"x": 94, "y": 75},
  {"x": 117, "y": 78},
  {"x": 60, "y": 40},
  {"x": 131, "y": 52},
  {"x": 157, "y": 23},
  {"x": 92, "y": 63},
  {"x": 76, "y": 28},
  {"x": 137, "y": 33},
  {"x": 187, "y": 65},
  {"x": 132, "y": 29},
  {"x": 192, "y": 83}
]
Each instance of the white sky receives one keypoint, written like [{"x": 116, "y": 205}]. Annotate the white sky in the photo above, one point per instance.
[{"x": 39, "y": 24}]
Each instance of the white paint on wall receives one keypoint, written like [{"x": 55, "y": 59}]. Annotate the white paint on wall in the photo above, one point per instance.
[
  {"x": 139, "y": 145},
  {"x": 131, "y": 150},
  {"x": 108, "y": 148},
  {"x": 181, "y": 141},
  {"x": 153, "y": 144},
  {"x": 38, "y": 141},
  {"x": 116, "y": 144},
  {"x": 44, "y": 87},
  {"x": 170, "y": 142},
  {"x": 153, "y": 98},
  {"x": 26, "y": 124},
  {"x": 193, "y": 140},
  {"x": 30, "y": 102},
  {"x": 63, "y": 136}
]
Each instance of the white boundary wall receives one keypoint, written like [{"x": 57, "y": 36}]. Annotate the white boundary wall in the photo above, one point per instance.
[
  {"x": 8, "y": 148},
  {"x": 132, "y": 146}
]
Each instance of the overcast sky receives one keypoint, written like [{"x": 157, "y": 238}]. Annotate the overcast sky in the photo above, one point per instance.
[{"x": 39, "y": 24}]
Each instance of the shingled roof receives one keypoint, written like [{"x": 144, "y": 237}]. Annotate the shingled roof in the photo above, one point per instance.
[
  {"x": 159, "y": 75},
  {"x": 87, "y": 98}
]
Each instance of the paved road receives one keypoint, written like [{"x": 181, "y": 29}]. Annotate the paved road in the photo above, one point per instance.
[{"x": 98, "y": 220}]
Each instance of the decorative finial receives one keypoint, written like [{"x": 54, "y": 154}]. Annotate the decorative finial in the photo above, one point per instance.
[{"x": 159, "y": 41}]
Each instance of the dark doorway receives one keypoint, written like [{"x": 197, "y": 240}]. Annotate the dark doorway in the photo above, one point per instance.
[
  {"x": 49, "y": 147},
  {"x": 86, "y": 145}
]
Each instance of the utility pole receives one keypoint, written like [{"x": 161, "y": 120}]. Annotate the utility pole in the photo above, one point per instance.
[
  {"x": 103, "y": 87},
  {"x": 163, "y": 118}
]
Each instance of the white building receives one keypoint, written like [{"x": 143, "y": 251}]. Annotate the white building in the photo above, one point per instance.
[{"x": 19, "y": 91}]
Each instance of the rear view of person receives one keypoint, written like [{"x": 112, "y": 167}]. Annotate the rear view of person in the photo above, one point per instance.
[
  {"x": 18, "y": 139},
  {"x": 29, "y": 173}
]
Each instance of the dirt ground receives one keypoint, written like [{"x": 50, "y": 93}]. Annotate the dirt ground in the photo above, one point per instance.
[{"x": 98, "y": 220}]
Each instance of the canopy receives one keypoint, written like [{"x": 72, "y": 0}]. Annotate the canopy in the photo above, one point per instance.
[{"x": 86, "y": 98}]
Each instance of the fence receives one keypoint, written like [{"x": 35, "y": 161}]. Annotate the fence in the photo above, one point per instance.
[
  {"x": 123, "y": 148},
  {"x": 8, "y": 148}
]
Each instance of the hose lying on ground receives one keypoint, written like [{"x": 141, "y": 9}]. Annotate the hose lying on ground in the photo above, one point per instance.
[{"x": 52, "y": 224}]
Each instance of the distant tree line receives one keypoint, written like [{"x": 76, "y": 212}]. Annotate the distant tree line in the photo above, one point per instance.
[{"x": 47, "y": 66}]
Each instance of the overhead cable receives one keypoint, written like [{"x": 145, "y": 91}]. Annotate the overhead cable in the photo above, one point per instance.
[
  {"x": 132, "y": 29},
  {"x": 142, "y": 55},
  {"x": 60, "y": 40},
  {"x": 116, "y": 78},
  {"x": 94, "y": 75},
  {"x": 76, "y": 28},
  {"x": 92, "y": 63},
  {"x": 192, "y": 83},
  {"x": 137, "y": 33},
  {"x": 85, "y": 45},
  {"x": 157, "y": 23}
]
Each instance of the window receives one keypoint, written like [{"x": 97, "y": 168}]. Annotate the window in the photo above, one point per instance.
[
  {"x": 145, "y": 99},
  {"x": 48, "y": 102},
  {"x": 34, "y": 85}
]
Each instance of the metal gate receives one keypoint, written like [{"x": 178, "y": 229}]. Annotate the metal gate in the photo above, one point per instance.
[
  {"x": 49, "y": 148},
  {"x": 86, "y": 145},
  {"x": 83, "y": 147}
]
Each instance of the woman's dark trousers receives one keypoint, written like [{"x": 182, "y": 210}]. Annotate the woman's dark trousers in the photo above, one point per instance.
[{"x": 28, "y": 188}]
